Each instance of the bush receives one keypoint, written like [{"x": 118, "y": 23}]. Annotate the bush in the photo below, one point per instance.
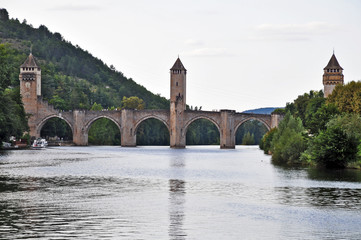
[
  {"x": 265, "y": 143},
  {"x": 289, "y": 142},
  {"x": 332, "y": 148}
]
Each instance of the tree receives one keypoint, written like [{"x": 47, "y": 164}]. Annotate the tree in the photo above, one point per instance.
[
  {"x": 248, "y": 139},
  {"x": 13, "y": 121},
  {"x": 299, "y": 106},
  {"x": 316, "y": 120},
  {"x": 5, "y": 70},
  {"x": 202, "y": 132},
  {"x": 104, "y": 132},
  {"x": 4, "y": 15},
  {"x": 56, "y": 127},
  {"x": 152, "y": 132},
  {"x": 254, "y": 127},
  {"x": 347, "y": 98},
  {"x": 289, "y": 142},
  {"x": 266, "y": 141},
  {"x": 350, "y": 123},
  {"x": 96, "y": 107},
  {"x": 332, "y": 148},
  {"x": 133, "y": 103}
]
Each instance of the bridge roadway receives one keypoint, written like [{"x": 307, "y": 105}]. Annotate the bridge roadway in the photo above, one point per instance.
[{"x": 128, "y": 121}]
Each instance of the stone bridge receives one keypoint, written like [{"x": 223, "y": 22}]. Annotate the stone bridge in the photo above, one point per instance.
[
  {"x": 128, "y": 121},
  {"x": 177, "y": 119}
]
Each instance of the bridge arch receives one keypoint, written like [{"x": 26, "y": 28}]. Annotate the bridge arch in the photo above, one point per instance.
[
  {"x": 254, "y": 126},
  {"x": 252, "y": 118},
  {"x": 41, "y": 124},
  {"x": 137, "y": 124},
  {"x": 189, "y": 122},
  {"x": 151, "y": 130},
  {"x": 90, "y": 122}
]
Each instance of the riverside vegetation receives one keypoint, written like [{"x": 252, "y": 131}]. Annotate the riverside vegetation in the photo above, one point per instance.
[
  {"x": 73, "y": 79},
  {"x": 319, "y": 131}
]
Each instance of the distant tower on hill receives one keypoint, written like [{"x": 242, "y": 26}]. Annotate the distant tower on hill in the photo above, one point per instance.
[{"x": 332, "y": 75}]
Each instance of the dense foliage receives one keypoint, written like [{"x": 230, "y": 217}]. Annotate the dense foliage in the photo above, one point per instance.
[
  {"x": 152, "y": 132},
  {"x": 289, "y": 141},
  {"x": 347, "y": 98},
  {"x": 13, "y": 120},
  {"x": 56, "y": 128},
  {"x": 319, "y": 131},
  {"x": 202, "y": 132},
  {"x": 250, "y": 133}
]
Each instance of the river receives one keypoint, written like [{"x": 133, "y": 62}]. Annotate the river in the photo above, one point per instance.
[{"x": 201, "y": 192}]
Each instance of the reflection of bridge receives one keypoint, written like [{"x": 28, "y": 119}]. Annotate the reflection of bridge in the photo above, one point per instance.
[{"x": 177, "y": 119}]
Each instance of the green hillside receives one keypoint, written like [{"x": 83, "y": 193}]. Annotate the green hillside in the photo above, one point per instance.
[{"x": 71, "y": 77}]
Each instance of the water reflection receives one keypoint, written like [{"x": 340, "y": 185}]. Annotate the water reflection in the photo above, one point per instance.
[
  {"x": 177, "y": 193},
  {"x": 176, "y": 209},
  {"x": 159, "y": 193},
  {"x": 346, "y": 175},
  {"x": 320, "y": 197}
]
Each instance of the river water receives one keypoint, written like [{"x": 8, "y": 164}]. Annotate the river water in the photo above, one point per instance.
[{"x": 199, "y": 192}]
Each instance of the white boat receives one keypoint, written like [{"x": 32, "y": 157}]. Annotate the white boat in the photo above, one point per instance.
[{"x": 40, "y": 143}]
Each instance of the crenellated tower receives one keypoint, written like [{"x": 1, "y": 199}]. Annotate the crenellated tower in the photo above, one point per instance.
[
  {"x": 332, "y": 75},
  {"x": 30, "y": 88},
  {"x": 177, "y": 104}
]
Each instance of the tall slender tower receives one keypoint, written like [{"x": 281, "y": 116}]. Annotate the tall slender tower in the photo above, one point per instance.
[
  {"x": 177, "y": 104},
  {"x": 332, "y": 75},
  {"x": 30, "y": 88}
]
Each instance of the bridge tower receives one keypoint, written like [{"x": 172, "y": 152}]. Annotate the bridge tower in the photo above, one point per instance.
[
  {"x": 177, "y": 104},
  {"x": 332, "y": 75},
  {"x": 30, "y": 89}
]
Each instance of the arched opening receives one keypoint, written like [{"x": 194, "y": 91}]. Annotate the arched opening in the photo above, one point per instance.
[
  {"x": 250, "y": 132},
  {"x": 202, "y": 132},
  {"x": 56, "y": 131},
  {"x": 152, "y": 132},
  {"x": 103, "y": 131}
]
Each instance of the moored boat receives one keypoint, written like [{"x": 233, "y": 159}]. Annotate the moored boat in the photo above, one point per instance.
[{"x": 40, "y": 143}]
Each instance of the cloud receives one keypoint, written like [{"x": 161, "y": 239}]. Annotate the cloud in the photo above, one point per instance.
[
  {"x": 209, "y": 52},
  {"x": 72, "y": 7},
  {"x": 292, "y": 32},
  {"x": 194, "y": 42}
]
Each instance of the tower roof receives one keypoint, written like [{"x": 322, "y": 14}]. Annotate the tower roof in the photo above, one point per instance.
[
  {"x": 333, "y": 63},
  {"x": 178, "y": 65},
  {"x": 30, "y": 62}
]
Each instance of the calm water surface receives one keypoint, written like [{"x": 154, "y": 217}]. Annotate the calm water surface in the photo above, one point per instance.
[{"x": 162, "y": 193}]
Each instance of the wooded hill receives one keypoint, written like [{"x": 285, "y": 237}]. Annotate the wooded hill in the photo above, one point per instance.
[{"x": 71, "y": 77}]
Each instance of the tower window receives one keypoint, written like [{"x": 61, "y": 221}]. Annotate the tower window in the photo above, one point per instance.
[{"x": 176, "y": 84}]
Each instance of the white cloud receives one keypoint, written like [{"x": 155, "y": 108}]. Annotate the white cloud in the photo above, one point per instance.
[
  {"x": 292, "y": 32},
  {"x": 72, "y": 7},
  {"x": 194, "y": 42},
  {"x": 209, "y": 52}
]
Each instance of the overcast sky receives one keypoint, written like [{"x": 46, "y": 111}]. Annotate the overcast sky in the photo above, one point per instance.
[{"x": 240, "y": 54}]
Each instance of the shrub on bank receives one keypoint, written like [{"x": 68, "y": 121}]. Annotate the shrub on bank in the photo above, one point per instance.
[{"x": 332, "y": 148}]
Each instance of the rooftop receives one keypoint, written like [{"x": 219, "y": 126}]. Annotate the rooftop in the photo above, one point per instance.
[
  {"x": 178, "y": 65},
  {"x": 333, "y": 63},
  {"x": 30, "y": 62}
]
